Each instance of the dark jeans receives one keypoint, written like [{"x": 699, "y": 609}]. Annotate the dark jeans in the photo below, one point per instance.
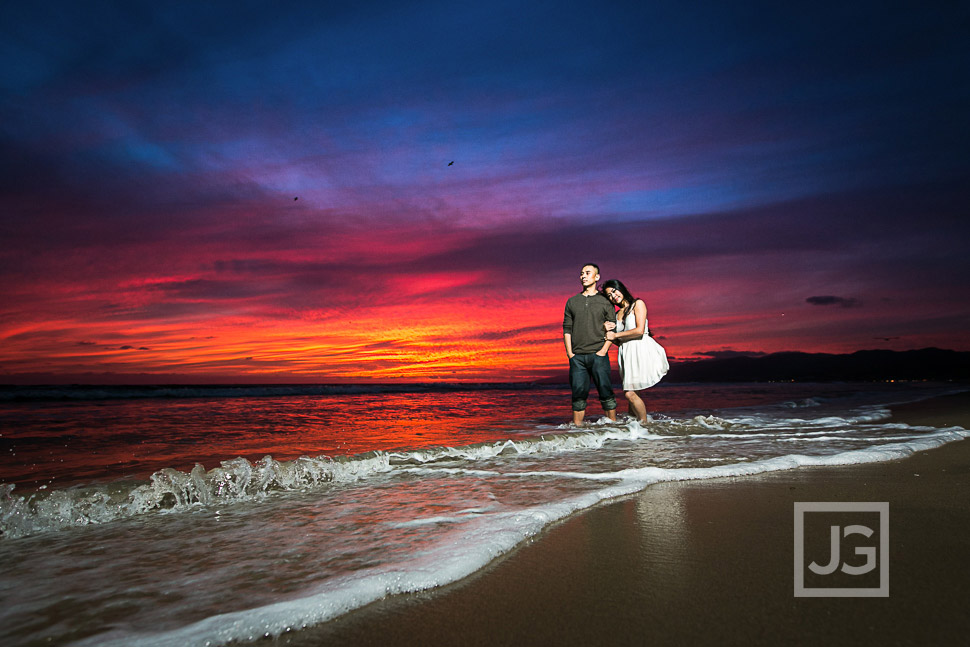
[{"x": 581, "y": 369}]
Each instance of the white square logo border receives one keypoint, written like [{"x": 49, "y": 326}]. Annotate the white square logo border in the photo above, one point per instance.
[{"x": 801, "y": 591}]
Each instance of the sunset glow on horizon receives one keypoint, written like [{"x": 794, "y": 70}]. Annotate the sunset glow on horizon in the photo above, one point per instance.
[{"x": 381, "y": 192}]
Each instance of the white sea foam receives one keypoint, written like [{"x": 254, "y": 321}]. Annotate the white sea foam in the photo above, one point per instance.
[
  {"x": 479, "y": 536},
  {"x": 258, "y": 547},
  {"x": 239, "y": 480},
  {"x": 236, "y": 480}
]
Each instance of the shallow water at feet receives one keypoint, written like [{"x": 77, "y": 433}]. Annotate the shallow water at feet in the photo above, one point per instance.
[{"x": 199, "y": 520}]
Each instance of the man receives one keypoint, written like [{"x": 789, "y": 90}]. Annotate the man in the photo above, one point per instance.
[{"x": 586, "y": 345}]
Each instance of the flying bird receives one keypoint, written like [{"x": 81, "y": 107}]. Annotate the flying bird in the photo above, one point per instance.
[{"x": 450, "y": 163}]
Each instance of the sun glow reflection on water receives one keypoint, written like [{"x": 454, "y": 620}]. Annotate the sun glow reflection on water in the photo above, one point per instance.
[
  {"x": 422, "y": 489},
  {"x": 62, "y": 443}
]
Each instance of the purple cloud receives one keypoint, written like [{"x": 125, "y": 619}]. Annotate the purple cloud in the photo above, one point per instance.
[{"x": 833, "y": 301}]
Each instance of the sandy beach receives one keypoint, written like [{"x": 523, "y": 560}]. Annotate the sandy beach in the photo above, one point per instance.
[{"x": 710, "y": 562}]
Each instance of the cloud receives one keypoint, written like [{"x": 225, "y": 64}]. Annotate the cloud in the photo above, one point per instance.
[
  {"x": 720, "y": 162},
  {"x": 729, "y": 354},
  {"x": 833, "y": 301},
  {"x": 550, "y": 330}
]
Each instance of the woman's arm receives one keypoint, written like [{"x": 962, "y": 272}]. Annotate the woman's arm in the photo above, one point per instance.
[{"x": 640, "y": 313}]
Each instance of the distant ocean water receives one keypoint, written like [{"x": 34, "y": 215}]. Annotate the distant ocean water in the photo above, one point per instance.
[{"x": 198, "y": 515}]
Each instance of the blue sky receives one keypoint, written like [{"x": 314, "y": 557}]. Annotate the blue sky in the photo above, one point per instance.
[{"x": 270, "y": 168}]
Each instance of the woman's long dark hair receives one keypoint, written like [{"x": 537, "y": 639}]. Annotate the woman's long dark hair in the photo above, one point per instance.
[{"x": 613, "y": 284}]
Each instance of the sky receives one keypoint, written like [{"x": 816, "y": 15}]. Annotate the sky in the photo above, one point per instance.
[{"x": 382, "y": 191}]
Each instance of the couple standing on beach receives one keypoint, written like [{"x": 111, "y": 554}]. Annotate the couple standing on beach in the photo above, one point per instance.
[{"x": 590, "y": 326}]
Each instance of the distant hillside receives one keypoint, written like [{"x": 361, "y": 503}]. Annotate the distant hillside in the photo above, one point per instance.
[{"x": 864, "y": 365}]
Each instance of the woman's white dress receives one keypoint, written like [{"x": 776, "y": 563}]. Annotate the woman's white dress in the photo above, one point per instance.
[{"x": 643, "y": 362}]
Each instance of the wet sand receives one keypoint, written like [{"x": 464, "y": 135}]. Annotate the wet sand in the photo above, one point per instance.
[{"x": 710, "y": 562}]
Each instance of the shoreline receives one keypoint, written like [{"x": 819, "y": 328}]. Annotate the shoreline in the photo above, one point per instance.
[{"x": 709, "y": 562}]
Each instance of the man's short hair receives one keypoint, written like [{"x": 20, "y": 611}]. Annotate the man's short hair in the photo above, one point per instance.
[{"x": 592, "y": 265}]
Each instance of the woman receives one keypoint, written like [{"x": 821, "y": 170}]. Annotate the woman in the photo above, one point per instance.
[{"x": 643, "y": 362}]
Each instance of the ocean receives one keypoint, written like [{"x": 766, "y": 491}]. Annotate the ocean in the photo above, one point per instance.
[{"x": 186, "y": 515}]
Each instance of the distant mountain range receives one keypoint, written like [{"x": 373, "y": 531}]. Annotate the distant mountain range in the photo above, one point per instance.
[{"x": 864, "y": 365}]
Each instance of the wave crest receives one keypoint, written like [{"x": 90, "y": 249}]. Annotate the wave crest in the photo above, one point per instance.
[{"x": 233, "y": 481}]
